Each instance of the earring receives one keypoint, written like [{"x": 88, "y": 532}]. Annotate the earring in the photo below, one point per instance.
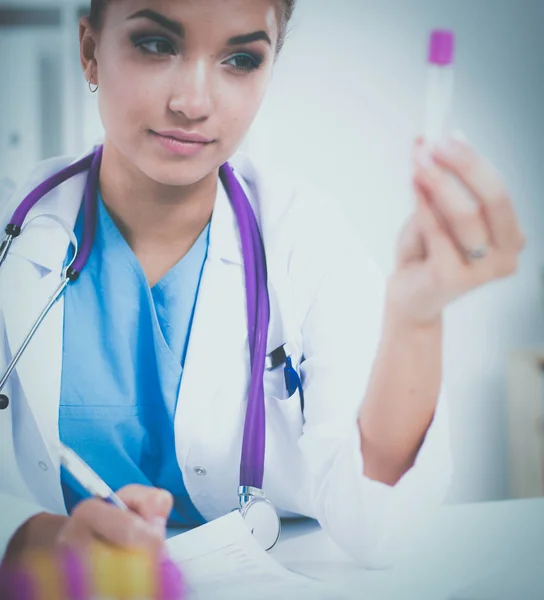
[{"x": 91, "y": 89}]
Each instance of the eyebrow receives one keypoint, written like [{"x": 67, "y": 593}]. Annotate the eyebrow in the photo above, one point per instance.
[
  {"x": 172, "y": 26},
  {"x": 179, "y": 30},
  {"x": 249, "y": 37}
]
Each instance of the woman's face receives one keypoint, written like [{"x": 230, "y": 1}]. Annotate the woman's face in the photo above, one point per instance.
[{"x": 193, "y": 70}]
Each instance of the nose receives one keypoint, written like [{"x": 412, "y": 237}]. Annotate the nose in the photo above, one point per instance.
[{"x": 192, "y": 94}]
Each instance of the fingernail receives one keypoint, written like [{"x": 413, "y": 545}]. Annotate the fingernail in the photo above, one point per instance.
[
  {"x": 163, "y": 500},
  {"x": 423, "y": 158},
  {"x": 447, "y": 147},
  {"x": 459, "y": 136},
  {"x": 156, "y": 526},
  {"x": 165, "y": 495},
  {"x": 159, "y": 525},
  {"x": 452, "y": 145}
]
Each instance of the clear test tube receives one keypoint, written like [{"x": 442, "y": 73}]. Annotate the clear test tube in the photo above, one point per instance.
[{"x": 440, "y": 83}]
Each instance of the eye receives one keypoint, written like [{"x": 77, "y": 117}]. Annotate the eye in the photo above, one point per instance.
[
  {"x": 245, "y": 62},
  {"x": 154, "y": 45}
]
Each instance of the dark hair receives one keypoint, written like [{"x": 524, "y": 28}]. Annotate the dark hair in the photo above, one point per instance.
[{"x": 98, "y": 7}]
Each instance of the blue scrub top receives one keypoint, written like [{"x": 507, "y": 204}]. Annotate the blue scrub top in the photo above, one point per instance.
[{"x": 124, "y": 351}]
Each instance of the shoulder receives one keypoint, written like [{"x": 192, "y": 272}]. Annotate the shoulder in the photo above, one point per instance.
[
  {"x": 293, "y": 207},
  {"x": 298, "y": 218},
  {"x": 308, "y": 239},
  {"x": 37, "y": 175}
]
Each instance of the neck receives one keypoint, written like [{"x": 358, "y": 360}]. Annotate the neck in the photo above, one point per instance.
[
  {"x": 148, "y": 212},
  {"x": 160, "y": 222}
]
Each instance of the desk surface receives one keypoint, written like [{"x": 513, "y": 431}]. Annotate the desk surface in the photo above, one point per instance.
[{"x": 467, "y": 543}]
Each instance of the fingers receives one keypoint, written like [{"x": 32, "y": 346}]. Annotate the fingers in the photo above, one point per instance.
[
  {"x": 153, "y": 504},
  {"x": 487, "y": 188},
  {"x": 410, "y": 245},
  {"x": 95, "y": 519},
  {"x": 457, "y": 210},
  {"x": 438, "y": 244}
]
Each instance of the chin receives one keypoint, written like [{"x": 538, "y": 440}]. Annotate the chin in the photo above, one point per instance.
[{"x": 181, "y": 174}]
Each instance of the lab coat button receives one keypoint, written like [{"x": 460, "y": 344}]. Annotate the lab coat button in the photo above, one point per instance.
[
  {"x": 42, "y": 465},
  {"x": 4, "y": 401},
  {"x": 200, "y": 471}
]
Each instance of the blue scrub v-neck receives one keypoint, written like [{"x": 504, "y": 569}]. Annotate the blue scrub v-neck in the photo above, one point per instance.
[{"x": 123, "y": 356}]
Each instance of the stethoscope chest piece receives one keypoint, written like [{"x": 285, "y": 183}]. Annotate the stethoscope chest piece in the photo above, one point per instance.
[{"x": 260, "y": 516}]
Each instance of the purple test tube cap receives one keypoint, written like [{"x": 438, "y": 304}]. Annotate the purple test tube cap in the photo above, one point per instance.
[{"x": 441, "y": 47}]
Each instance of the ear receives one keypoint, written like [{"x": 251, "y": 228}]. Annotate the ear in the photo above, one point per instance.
[{"x": 87, "y": 50}]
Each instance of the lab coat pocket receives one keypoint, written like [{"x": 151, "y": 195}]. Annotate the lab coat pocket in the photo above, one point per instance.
[
  {"x": 275, "y": 385},
  {"x": 283, "y": 411},
  {"x": 284, "y": 463}
]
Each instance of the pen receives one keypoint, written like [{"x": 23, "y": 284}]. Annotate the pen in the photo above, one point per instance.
[
  {"x": 292, "y": 381},
  {"x": 169, "y": 579},
  {"x": 81, "y": 471}
]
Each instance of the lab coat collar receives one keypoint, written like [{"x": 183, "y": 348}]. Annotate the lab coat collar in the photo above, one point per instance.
[
  {"x": 225, "y": 243},
  {"x": 225, "y": 240},
  {"x": 43, "y": 240},
  {"x": 256, "y": 188},
  {"x": 44, "y": 243}
]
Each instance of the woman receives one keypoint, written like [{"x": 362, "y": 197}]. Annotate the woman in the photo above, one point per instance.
[{"x": 143, "y": 367}]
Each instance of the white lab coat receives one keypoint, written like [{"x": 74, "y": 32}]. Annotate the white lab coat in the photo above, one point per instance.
[{"x": 326, "y": 299}]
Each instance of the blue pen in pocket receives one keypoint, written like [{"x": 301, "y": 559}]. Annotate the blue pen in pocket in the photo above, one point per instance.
[{"x": 292, "y": 381}]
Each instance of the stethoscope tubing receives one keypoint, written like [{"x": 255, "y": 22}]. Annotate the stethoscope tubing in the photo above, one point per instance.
[{"x": 258, "y": 307}]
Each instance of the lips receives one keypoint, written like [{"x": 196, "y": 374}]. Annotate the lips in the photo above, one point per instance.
[
  {"x": 182, "y": 143},
  {"x": 185, "y": 136}
]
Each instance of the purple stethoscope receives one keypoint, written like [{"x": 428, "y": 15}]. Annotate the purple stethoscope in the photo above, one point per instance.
[{"x": 258, "y": 512}]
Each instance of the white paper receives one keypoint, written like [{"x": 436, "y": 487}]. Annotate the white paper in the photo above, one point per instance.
[{"x": 222, "y": 560}]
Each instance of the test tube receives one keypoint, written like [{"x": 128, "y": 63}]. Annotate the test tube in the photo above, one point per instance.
[{"x": 440, "y": 81}]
